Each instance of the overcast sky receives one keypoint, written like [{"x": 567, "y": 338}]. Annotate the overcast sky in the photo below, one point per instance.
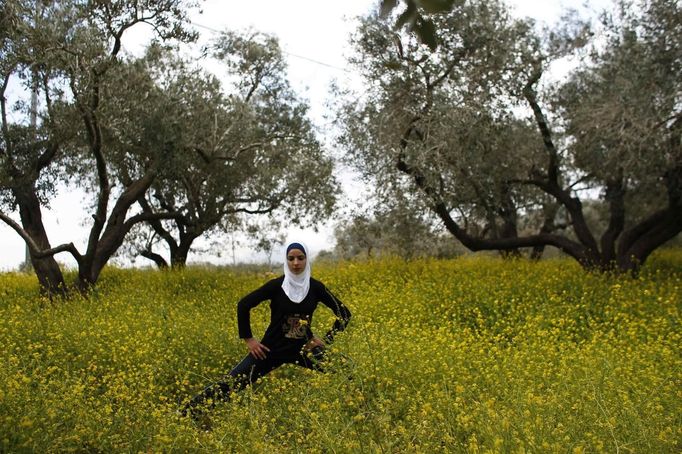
[{"x": 313, "y": 34}]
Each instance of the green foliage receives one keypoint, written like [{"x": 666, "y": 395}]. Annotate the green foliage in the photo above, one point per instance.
[
  {"x": 472, "y": 354},
  {"x": 623, "y": 110},
  {"x": 393, "y": 230},
  {"x": 473, "y": 127},
  {"x": 450, "y": 113},
  {"x": 67, "y": 58},
  {"x": 236, "y": 147},
  {"x": 419, "y": 23}
]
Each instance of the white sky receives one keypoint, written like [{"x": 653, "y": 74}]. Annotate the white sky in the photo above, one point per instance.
[{"x": 313, "y": 34}]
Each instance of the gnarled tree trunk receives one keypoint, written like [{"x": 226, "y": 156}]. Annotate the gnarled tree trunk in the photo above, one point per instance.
[{"x": 47, "y": 269}]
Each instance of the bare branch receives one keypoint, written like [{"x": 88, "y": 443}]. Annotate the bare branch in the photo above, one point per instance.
[
  {"x": 156, "y": 224},
  {"x": 156, "y": 258},
  {"x": 531, "y": 97},
  {"x": 3, "y": 110},
  {"x": 34, "y": 248},
  {"x": 147, "y": 217}
]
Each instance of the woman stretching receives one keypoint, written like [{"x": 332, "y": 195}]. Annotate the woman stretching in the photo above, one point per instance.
[{"x": 289, "y": 338}]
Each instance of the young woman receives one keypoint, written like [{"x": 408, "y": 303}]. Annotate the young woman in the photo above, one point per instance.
[{"x": 288, "y": 339}]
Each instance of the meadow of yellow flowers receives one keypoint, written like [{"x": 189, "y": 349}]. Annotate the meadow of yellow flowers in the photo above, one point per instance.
[{"x": 469, "y": 355}]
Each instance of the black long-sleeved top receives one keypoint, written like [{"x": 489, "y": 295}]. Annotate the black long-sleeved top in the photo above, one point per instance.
[{"x": 290, "y": 322}]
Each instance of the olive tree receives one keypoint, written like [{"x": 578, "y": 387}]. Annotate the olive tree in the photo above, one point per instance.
[
  {"x": 67, "y": 53},
  {"x": 245, "y": 147},
  {"x": 446, "y": 117},
  {"x": 623, "y": 113},
  {"x": 450, "y": 125}
]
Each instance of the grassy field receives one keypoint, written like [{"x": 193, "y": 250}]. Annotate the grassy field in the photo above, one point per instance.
[{"x": 469, "y": 355}]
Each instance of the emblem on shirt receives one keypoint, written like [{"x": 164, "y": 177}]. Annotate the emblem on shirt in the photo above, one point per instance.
[{"x": 296, "y": 326}]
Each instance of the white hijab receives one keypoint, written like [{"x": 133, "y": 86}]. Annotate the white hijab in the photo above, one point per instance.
[{"x": 296, "y": 286}]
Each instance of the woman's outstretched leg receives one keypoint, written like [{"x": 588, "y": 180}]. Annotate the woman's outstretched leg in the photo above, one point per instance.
[{"x": 243, "y": 374}]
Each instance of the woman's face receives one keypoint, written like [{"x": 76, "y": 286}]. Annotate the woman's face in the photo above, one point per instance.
[{"x": 296, "y": 261}]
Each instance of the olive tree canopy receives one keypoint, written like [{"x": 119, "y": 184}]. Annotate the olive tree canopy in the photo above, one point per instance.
[
  {"x": 450, "y": 125},
  {"x": 244, "y": 147}
]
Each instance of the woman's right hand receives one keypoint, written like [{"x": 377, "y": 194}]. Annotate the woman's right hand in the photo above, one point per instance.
[{"x": 256, "y": 349}]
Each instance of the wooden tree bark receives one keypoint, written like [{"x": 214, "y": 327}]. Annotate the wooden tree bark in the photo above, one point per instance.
[
  {"x": 22, "y": 185},
  {"x": 47, "y": 269}
]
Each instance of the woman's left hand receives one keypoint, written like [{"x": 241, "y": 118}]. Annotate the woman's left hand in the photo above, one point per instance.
[{"x": 312, "y": 343}]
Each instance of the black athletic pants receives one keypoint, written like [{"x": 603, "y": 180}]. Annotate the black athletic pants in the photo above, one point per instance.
[{"x": 248, "y": 371}]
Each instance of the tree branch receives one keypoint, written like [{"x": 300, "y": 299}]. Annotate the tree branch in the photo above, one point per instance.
[
  {"x": 34, "y": 248},
  {"x": 663, "y": 221},
  {"x": 163, "y": 202},
  {"x": 668, "y": 226},
  {"x": 615, "y": 197},
  {"x": 46, "y": 157},
  {"x": 156, "y": 258},
  {"x": 95, "y": 145},
  {"x": 149, "y": 217},
  {"x": 552, "y": 185},
  {"x": 156, "y": 224},
  {"x": 541, "y": 121},
  {"x": 3, "y": 112},
  {"x": 572, "y": 248}
]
